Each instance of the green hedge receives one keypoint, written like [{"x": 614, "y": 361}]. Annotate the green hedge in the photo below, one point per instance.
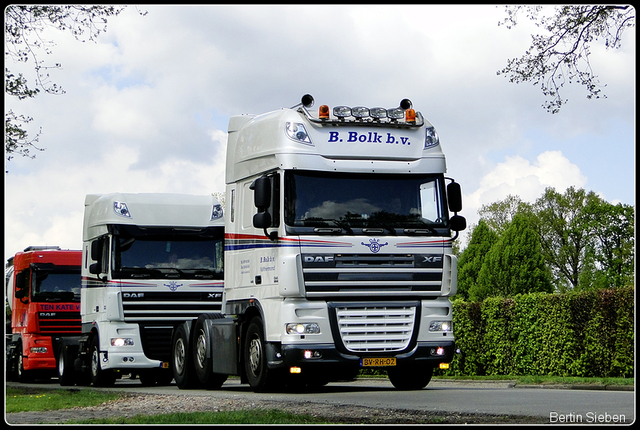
[{"x": 587, "y": 334}]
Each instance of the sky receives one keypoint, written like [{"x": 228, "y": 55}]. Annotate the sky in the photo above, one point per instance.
[{"x": 147, "y": 105}]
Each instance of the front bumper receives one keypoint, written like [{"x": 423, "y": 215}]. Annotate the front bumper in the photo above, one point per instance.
[{"x": 325, "y": 357}]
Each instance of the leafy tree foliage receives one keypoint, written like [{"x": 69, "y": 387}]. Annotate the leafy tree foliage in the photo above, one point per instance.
[
  {"x": 498, "y": 215},
  {"x": 563, "y": 225},
  {"x": 613, "y": 233},
  {"x": 514, "y": 265},
  {"x": 561, "y": 55},
  {"x": 23, "y": 30},
  {"x": 472, "y": 259},
  {"x": 586, "y": 243}
]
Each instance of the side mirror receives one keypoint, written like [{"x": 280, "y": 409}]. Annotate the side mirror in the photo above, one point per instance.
[
  {"x": 95, "y": 269},
  {"x": 96, "y": 250},
  {"x": 262, "y": 220},
  {"x": 21, "y": 287},
  {"x": 458, "y": 223},
  {"x": 454, "y": 197},
  {"x": 262, "y": 193}
]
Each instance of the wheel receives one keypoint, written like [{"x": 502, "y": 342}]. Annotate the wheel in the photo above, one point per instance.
[
  {"x": 183, "y": 371},
  {"x": 255, "y": 360},
  {"x": 12, "y": 365},
  {"x": 66, "y": 374},
  {"x": 99, "y": 377},
  {"x": 202, "y": 359},
  {"x": 22, "y": 375},
  {"x": 410, "y": 377}
]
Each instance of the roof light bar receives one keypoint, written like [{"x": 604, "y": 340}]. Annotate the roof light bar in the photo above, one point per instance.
[{"x": 400, "y": 117}]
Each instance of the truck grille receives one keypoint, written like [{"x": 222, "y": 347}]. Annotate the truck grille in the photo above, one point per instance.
[
  {"x": 60, "y": 323},
  {"x": 168, "y": 306},
  {"x": 375, "y": 328},
  {"x": 359, "y": 275}
]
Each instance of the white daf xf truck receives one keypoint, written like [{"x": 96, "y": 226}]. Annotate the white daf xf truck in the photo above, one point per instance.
[
  {"x": 338, "y": 252},
  {"x": 150, "y": 262}
]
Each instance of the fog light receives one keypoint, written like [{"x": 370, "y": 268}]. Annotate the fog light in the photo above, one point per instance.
[
  {"x": 444, "y": 365},
  {"x": 438, "y": 351},
  {"x": 295, "y": 370},
  {"x": 308, "y": 354},
  {"x": 38, "y": 350}
]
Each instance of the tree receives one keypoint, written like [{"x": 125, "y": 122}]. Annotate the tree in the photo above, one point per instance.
[
  {"x": 562, "y": 55},
  {"x": 24, "y": 27},
  {"x": 514, "y": 265},
  {"x": 473, "y": 257},
  {"x": 613, "y": 231},
  {"x": 565, "y": 233},
  {"x": 498, "y": 215}
]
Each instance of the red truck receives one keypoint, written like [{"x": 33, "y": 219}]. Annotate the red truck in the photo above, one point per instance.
[{"x": 43, "y": 292}]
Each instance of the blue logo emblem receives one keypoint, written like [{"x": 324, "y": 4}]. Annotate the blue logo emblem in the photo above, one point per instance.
[
  {"x": 173, "y": 285},
  {"x": 374, "y": 245}
]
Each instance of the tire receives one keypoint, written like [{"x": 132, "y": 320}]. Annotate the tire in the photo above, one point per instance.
[
  {"x": 410, "y": 377},
  {"x": 23, "y": 376},
  {"x": 12, "y": 365},
  {"x": 99, "y": 377},
  {"x": 181, "y": 360},
  {"x": 255, "y": 361},
  {"x": 66, "y": 374},
  {"x": 202, "y": 359}
]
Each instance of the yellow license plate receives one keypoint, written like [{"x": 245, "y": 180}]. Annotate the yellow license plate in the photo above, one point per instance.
[{"x": 378, "y": 362}]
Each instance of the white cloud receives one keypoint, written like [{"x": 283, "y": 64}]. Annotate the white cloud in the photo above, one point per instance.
[{"x": 518, "y": 176}]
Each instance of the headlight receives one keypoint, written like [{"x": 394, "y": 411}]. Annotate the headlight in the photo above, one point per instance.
[
  {"x": 121, "y": 209},
  {"x": 216, "y": 212},
  {"x": 119, "y": 341},
  {"x": 441, "y": 326},
  {"x": 297, "y": 132},
  {"x": 431, "y": 137},
  {"x": 303, "y": 328}
]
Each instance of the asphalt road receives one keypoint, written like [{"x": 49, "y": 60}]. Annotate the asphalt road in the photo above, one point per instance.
[{"x": 497, "y": 398}]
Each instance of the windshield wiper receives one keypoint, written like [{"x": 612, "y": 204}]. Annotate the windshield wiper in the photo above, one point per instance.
[
  {"x": 341, "y": 224},
  {"x": 424, "y": 228},
  {"x": 383, "y": 226}
]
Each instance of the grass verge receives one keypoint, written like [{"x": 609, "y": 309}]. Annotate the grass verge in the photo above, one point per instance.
[
  {"x": 30, "y": 399},
  {"x": 544, "y": 380},
  {"x": 271, "y": 416}
]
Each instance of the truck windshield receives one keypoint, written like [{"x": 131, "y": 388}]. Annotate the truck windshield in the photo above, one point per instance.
[
  {"x": 58, "y": 285},
  {"x": 168, "y": 252},
  {"x": 352, "y": 203}
]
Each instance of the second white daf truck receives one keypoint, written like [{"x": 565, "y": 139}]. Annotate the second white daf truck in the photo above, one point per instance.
[
  {"x": 338, "y": 252},
  {"x": 150, "y": 262}
]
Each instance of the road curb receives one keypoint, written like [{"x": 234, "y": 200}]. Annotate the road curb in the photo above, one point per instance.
[{"x": 514, "y": 384}]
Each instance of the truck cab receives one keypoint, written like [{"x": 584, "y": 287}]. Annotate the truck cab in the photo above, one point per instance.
[
  {"x": 43, "y": 291},
  {"x": 339, "y": 244},
  {"x": 149, "y": 263}
]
